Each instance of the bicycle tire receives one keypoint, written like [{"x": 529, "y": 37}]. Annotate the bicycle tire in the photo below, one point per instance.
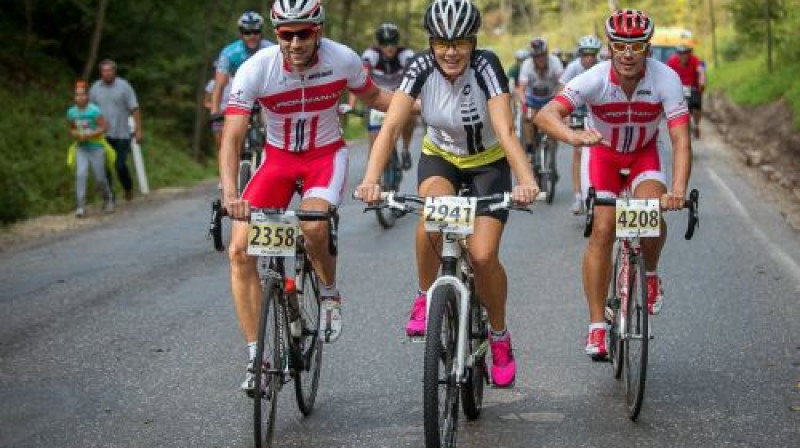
[
  {"x": 615, "y": 346},
  {"x": 550, "y": 163},
  {"x": 440, "y": 416},
  {"x": 390, "y": 181},
  {"x": 245, "y": 172},
  {"x": 306, "y": 380},
  {"x": 472, "y": 390},
  {"x": 267, "y": 384},
  {"x": 637, "y": 322}
]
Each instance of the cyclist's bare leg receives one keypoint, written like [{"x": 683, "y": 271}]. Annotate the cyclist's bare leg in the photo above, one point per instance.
[
  {"x": 427, "y": 253},
  {"x": 316, "y": 236},
  {"x": 652, "y": 246},
  {"x": 576, "y": 169},
  {"x": 490, "y": 276},
  {"x": 597, "y": 262},
  {"x": 527, "y": 133},
  {"x": 697, "y": 115},
  {"x": 245, "y": 284}
]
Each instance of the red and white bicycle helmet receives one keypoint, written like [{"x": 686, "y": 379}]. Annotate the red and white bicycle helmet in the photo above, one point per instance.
[
  {"x": 629, "y": 25},
  {"x": 285, "y": 12}
]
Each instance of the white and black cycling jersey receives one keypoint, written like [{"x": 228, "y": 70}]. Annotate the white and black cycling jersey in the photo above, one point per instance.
[
  {"x": 457, "y": 112},
  {"x": 387, "y": 73}
]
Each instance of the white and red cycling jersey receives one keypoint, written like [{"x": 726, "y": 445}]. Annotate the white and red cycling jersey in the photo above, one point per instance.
[
  {"x": 304, "y": 137},
  {"x": 628, "y": 125},
  {"x": 300, "y": 110}
]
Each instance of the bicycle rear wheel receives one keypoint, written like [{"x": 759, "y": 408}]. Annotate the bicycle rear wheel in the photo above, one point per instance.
[
  {"x": 267, "y": 380},
  {"x": 637, "y": 337},
  {"x": 309, "y": 344},
  {"x": 440, "y": 391}
]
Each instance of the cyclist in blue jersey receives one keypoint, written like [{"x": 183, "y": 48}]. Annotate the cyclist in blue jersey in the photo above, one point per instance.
[{"x": 233, "y": 56}]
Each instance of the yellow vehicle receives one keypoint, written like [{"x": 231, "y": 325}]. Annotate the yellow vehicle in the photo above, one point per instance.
[{"x": 666, "y": 40}]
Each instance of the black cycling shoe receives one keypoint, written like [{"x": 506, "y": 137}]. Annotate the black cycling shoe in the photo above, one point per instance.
[{"x": 405, "y": 161}]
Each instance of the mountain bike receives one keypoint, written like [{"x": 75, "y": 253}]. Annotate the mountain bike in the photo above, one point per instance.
[
  {"x": 626, "y": 308},
  {"x": 289, "y": 344},
  {"x": 457, "y": 324}
]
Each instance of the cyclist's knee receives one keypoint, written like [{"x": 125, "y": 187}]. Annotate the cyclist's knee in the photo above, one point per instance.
[
  {"x": 603, "y": 234},
  {"x": 237, "y": 254},
  {"x": 315, "y": 232},
  {"x": 484, "y": 260}
]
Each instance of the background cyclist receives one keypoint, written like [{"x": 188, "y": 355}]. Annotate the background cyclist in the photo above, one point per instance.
[
  {"x": 470, "y": 138},
  {"x": 386, "y": 63},
  {"x": 646, "y": 91},
  {"x": 299, "y": 84},
  {"x": 231, "y": 57},
  {"x": 588, "y": 48},
  {"x": 693, "y": 75},
  {"x": 538, "y": 82}
]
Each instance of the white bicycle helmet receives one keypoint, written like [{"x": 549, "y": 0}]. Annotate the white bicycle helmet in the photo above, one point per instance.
[
  {"x": 452, "y": 19},
  {"x": 250, "y": 21},
  {"x": 285, "y": 12},
  {"x": 521, "y": 54},
  {"x": 589, "y": 43}
]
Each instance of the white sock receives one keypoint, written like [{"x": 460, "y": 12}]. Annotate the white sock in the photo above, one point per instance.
[
  {"x": 597, "y": 326},
  {"x": 251, "y": 350},
  {"x": 498, "y": 335},
  {"x": 578, "y": 196}
]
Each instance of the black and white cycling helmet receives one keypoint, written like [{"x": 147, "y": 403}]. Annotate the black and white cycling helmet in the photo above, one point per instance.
[
  {"x": 521, "y": 54},
  {"x": 285, "y": 12},
  {"x": 589, "y": 44},
  {"x": 250, "y": 21},
  {"x": 387, "y": 34},
  {"x": 538, "y": 46},
  {"x": 452, "y": 19}
]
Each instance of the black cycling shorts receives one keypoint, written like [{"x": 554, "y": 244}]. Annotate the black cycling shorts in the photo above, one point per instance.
[
  {"x": 695, "y": 100},
  {"x": 484, "y": 180}
]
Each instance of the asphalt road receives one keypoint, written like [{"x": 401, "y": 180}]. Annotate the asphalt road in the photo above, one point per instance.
[{"x": 125, "y": 336}]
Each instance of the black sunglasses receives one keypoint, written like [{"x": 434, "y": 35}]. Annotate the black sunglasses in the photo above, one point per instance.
[
  {"x": 249, "y": 32},
  {"x": 302, "y": 34}
]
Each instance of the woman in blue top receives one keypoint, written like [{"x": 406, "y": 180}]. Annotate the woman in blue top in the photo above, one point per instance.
[{"x": 87, "y": 126}]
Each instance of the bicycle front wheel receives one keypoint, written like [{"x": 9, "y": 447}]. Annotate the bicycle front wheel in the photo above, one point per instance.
[
  {"x": 309, "y": 343},
  {"x": 637, "y": 337},
  {"x": 440, "y": 391},
  {"x": 267, "y": 378},
  {"x": 613, "y": 311},
  {"x": 549, "y": 177}
]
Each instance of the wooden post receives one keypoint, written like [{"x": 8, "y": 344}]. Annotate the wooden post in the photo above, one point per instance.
[
  {"x": 712, "y": 15},
  {"x": 98, "y": 34},
  {"x": 769, "y": 34}
]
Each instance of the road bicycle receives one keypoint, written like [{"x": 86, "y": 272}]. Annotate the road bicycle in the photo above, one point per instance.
[
  {"x": 456, "y": 340},
  {"x": 390, "y": 178},
  {"x": 289, "y": 344},
  {"x": 544, "y": 165},
  {"x": 626, "y": 310}
]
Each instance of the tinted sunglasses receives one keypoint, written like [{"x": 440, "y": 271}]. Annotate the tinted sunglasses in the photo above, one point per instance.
[
  {"x": 462, "y": 44},
  {"x": 249, "y": 32},
  {"x": 301, "y": 34},
  {"x": 635, "y": 47}
]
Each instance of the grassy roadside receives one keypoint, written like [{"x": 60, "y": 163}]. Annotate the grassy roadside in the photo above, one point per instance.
[
  {"x": 34, "y": 178},
  {"x": 747, "y": 82}
]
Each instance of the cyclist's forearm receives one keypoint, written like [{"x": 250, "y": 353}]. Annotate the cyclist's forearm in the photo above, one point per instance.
[
  {"x": 502, "y": 123},
  {"x": 381, "y": 152},
  {"x": 681, "y": 158},
  {"x": 551, "y": 120}
]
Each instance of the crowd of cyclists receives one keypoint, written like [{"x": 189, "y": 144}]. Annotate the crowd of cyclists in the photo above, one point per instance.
[{"x": 467, "y": 102}]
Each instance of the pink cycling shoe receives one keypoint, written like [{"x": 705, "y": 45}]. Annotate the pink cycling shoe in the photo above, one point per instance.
[
  {"x": 504, "y": 367},
  {"x": 416, "y": 320}
]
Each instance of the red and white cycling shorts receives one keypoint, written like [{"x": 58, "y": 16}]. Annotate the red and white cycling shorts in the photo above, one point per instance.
[
  {"x": 322, "y": 170},
  {"x": 600, "y": 166}
]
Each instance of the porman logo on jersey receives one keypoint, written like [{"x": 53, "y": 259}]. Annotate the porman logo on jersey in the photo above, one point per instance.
[{"x": 309, "y": 99}]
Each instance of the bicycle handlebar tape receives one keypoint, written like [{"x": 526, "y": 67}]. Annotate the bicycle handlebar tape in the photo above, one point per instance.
[
  {"x": 216, "y": 225},
  {"x": 694, "y": 217},
  {"x": 587, "y": 230}
]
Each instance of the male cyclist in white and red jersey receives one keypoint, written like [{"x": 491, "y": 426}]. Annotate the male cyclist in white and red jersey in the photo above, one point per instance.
[
  {"x": 298, "y": 85},
  {"x": 628, "y": 97}
]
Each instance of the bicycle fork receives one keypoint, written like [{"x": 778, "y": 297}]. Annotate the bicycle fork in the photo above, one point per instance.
[{"x": 451, "y": 251}]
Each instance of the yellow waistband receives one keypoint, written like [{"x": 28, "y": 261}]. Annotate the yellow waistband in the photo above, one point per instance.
[{"x": 489, "y": 155}]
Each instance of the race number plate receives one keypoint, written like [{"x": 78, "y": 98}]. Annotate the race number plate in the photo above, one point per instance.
[
  {"x": 376, "y": 117},
  {"x": 638, "y": 217},
  {"x": 271, "y": 236},
  {"x": 453, "y": 214}
]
